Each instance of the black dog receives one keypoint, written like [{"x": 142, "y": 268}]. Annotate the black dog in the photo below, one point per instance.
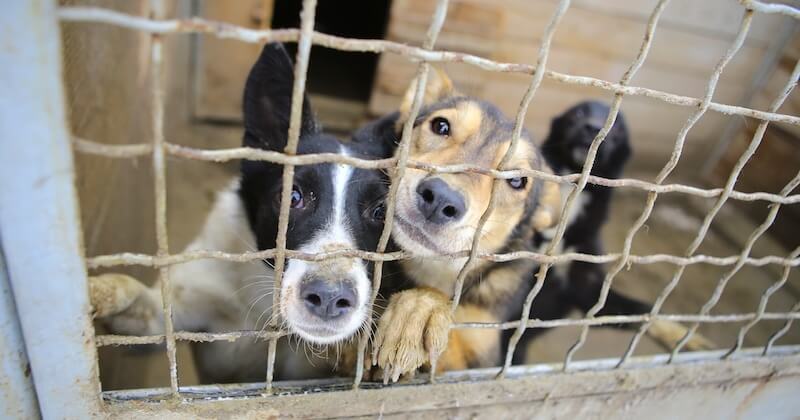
[{"x": 578, "y": 284}]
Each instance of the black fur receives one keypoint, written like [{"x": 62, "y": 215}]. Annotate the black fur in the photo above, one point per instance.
[
  {"x": 267, "y": 106},
  {"x": 570, "y": 136}
]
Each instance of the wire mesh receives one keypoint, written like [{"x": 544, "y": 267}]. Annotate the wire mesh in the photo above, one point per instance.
[{"x": 157, "y": 26}]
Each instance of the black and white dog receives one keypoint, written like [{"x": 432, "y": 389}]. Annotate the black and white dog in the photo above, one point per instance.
[
  {"x": 333, "y": 207},
  {"x": 577, "y": 285}
]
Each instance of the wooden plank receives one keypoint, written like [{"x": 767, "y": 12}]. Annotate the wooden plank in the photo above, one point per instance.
[
  {"x": 222, "y": 64},
  {"x": 587, "y": 31}
]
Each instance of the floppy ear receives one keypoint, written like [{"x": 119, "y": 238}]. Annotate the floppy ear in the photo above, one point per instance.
[
  {"x": 267, "y": 101},
  {"x": 439, "y": 86}
]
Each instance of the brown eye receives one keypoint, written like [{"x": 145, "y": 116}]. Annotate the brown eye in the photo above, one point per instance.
[
  {"x": 517, "y": 183},
  {"x": 297, "y": 198},
  {"x": 440, "y": 126}
]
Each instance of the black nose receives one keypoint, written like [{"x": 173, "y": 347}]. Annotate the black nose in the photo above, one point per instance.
[
  {"x": 438, "y": 202},
  {"x": 591, "y": 130},
  {"x": 328, "y": 300}
]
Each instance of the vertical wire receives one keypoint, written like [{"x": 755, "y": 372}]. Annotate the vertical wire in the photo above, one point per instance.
[
  {"x": 160, "y": 187},
  {"x": 437, "y": 21},
  {"x": 737, "y": 169},
  {"x": 585, "y": 172},
  {"x": 667, "y": 170},
  {"x": 307, "y": 15}
]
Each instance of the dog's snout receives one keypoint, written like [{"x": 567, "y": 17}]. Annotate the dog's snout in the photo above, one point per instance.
[
  {"x": 328, "y": 300},
  {"x": 439, "y": 203},
  {"x": 591, "y": 129}
]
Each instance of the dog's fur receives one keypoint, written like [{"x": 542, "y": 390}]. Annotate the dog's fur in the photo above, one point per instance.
[
  {"x": 438, "y": 213},
  {"x": 334, "y": 207},
  {"x": 413, "y": 330},
  {"x": 577, "y": 285}
]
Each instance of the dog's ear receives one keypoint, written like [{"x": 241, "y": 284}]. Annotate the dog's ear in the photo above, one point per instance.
[
  {"x": 378, "y": 138},
  {"x": 267, "y": 101},
  {"x": 439, "y": 87}
]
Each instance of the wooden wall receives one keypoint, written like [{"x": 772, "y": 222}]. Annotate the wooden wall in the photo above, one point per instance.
[{"x": 597, "y": 38}]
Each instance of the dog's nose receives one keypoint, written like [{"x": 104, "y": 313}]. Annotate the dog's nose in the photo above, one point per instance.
[
  {"x": 591, "y": 130},
  {"x": 328, "y": 300},
  {"x": 438, "y": 202}
]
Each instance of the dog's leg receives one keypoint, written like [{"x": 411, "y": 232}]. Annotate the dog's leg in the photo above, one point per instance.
[
  {"x": 586, "y": 280},
  {"x": 412, "y": 331},
  {"x": 126, "y": 305},
  {"x": 415, "y": 329},
  {"x": 668, "y": 334}
]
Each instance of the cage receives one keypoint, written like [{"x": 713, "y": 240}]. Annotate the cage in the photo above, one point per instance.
[{"x": 115, "y": 109}]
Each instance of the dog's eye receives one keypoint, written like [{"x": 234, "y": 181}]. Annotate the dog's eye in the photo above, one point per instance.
[
  {"x": 297, "y": 198},
  {"x": 440, "y": 126},
  {"x": 517, "y": 183},
  {"x": 379, "y": 212}
]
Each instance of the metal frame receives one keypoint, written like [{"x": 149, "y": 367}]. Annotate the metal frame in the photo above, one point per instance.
[
  {"x": 40, "y": 170},
  {"x": 41, "y": 230}
]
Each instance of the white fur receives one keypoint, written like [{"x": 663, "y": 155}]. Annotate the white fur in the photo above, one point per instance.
[{"x": 335, "y": 235}]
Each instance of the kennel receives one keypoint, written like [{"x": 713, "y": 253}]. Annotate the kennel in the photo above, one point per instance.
[{"x": 50, "y": 352}]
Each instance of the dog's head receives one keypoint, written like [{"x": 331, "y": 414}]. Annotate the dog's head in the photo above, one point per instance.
[
  {"x": 439, "y": 213},
  {"x": 572, "y": 133},
  {"x": 332, "y": 207}
]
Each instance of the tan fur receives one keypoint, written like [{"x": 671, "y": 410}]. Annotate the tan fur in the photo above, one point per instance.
[
  {"x": 669, "y": 333},
  {"x": 113, "y": 293},
  {"x": 414, "y": 329},
  {"x": 470, "y": 347},
  {"x": 437, "y": 86}
]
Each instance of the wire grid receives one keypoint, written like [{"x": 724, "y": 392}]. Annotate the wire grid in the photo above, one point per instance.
[{"x": 157, "y": 26}]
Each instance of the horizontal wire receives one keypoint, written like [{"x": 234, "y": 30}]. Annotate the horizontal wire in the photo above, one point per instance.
[
  {"x": 229, "y": 31},
  {"x": 131, "y": 340},
  {"x": 225, "y": 155}
]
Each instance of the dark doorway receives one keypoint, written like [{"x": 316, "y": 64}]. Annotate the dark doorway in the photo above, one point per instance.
[{"x": 340, "y": 74}]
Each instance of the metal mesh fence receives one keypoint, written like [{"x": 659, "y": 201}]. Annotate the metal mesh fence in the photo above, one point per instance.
[{"x": 306, "y": 36}]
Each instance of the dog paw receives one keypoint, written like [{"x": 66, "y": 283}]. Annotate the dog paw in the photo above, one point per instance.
[
  {"x": 548, "y": 212},
  {"x": 113, "y": 293},
  {"x": 412, "y": 332},
  {"x": 669, "y": 333}
]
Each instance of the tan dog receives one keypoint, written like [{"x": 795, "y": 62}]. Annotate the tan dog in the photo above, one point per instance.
[{"x": 439, "y": 213}]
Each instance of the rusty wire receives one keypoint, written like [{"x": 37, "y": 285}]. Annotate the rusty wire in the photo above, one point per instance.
[
  {"x": 160, "y": 187},
  {"x": 573, "y": 195},
  {"x": 737, "y": 169},
  {"x": 228, "y": 31},
  {"x": 306, "y": 36},
  {"x": 307, "y": 14},
  {"x": 226, "y": 155},
  {"x": 437, "y": 21},
  {"x": 202, "y": 337}
]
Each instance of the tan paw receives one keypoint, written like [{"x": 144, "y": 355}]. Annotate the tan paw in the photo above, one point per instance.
[
  {"x": 113, "y": 293},
  {"x": 412, "y": 331},
  {"x": 548, "y": 212},
  {"x": 669, "y": 333}
]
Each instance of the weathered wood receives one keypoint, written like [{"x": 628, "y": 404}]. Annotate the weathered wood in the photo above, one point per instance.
[{"x": 222, "y": 64}]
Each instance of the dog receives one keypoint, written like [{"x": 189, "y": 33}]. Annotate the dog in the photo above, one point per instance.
[
  {"x": 577, "y": 285},
  {"x": 437, "y": 213},
  {"x": 333, "y": 206}
]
